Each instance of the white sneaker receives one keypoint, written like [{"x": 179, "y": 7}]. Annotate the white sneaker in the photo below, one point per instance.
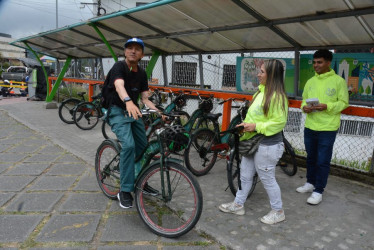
[
  {"x": 315, "y": 198},
  {"x": 232, "y": 208},
  {"x": 273, "y": 217},
  {"x": 307, "y": 188}
]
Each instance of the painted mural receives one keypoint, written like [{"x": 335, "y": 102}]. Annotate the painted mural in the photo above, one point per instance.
[
  {"x": 247, "y": 69},
  {"x": 356, "y": 68}
]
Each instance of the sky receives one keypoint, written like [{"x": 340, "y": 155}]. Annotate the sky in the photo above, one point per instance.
[{"x": 22, "y": 18}]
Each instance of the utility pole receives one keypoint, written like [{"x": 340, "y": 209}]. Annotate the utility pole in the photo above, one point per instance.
[
  {"x": 56, "y": 14},
  {"x": 99, "y": 8}
]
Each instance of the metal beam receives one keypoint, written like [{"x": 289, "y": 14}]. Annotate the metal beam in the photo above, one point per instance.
[
  {"x": 105, "y": 42},
  {"x": 93, "y": 38},
  {"x": 161, "y": 32},
  {"x": 59, "y": 79},
  {"x": 41, "y": 64},
  {"x": 152, "y": 63},
  {"x": 72, "y": 46},
  {"x": 263, "y": 21},
  {"x": 116, "y": 32},
  {"x": 46, "y": 48}
]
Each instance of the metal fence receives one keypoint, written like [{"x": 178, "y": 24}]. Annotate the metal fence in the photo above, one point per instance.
[{"x": 354, "y": 145}]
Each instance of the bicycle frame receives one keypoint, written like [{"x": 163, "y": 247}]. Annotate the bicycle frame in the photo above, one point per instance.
[{"x": 142, "y": 164}]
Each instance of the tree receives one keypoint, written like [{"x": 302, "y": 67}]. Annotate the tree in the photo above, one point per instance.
[
  {"x": 368, "y": 90},
  {"x": 361, "y": 90}
]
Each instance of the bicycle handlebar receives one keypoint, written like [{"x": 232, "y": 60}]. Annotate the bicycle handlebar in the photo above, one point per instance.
[{"x": 235, "y": 130}]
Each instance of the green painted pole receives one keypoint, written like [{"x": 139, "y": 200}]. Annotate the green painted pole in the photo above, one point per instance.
[
  {"x": 59, "y": 79},
  {"x": 105, "y": 41},
  {"x": 41, "y": 64},
  {"x": 152, "y": 63}
]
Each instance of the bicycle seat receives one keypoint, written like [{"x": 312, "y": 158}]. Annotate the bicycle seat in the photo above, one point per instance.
[
  {"x": 94, "y": 97},
  {"x": 213, "y": 116},
  {"x": 81, "y": 94}
]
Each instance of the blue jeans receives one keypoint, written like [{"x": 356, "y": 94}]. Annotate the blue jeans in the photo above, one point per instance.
[
  {"x": 131, "y": 134},
  {"x": 318, "y": 146},
  {"x": 263, "y": 162}
]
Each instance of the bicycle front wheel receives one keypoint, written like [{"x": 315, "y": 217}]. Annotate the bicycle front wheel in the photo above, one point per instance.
[
  {"x": 177, "y": 207},
  {"x": 198, "y": 156},
  {"x": 288, "y": 160},
  {"x": 107, "y": 168},
  {"x": 66, "y": 110},
  {"x": 233, "y": 175},
  {"x": 86, "y": 115},
  {"x": 107, "y": 131}
]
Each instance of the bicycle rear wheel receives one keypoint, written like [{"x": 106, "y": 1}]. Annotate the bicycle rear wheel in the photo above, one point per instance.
[
  {"x": 86, "y": 115},
  {"x": 107, "y": 168},
  {"x": 198, "y": 156},
  {"x": 233, "y": 175},
  {"x": 174, "y": 215},
  {"x": 66, "y": 110},
  {"x": 288, "y": 160}
]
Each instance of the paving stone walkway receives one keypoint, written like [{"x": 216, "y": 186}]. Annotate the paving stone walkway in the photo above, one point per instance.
[{"x": 49, "y": 199}]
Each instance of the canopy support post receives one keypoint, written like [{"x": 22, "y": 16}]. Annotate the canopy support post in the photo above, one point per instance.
[
  {"x": 105, "y": 41},
  {"x": 164, "y": 70},
  {"x": 59, "y": 79},
  {"x": 152, "y": 63},
  {"x": 297, "y": 73},
  {"x": 201, "y": 69}
]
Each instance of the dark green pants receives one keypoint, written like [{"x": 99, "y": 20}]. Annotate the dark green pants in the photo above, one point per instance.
[{"x": 131, "y": 134}]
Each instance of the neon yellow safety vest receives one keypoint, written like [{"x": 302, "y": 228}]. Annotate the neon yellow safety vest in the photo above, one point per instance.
[
  {"x": 331, "y": 90},
  {"x": 268, "y": 125}
]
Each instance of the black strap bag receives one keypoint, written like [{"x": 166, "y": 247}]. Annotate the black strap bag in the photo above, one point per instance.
[{"x": 250, "y": 146}]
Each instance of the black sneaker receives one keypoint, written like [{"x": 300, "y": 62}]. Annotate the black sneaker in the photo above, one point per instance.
[
  {"x": 125, "y": 199},
  {"x": 150, "y": 190}
]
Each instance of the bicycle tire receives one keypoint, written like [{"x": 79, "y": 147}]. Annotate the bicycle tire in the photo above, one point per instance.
[
  {"x": 107, "y": 168},
  {"x": 207, "y": 123},
  {"x": 197, "y": 150},
  {"x": 107, "y": 132},
  {"x": 86, "y": 115},
  {"x": 66, "y": 110},
  {"x": 232, "y": 176},
  {"x": 179, "y": 214},
  {"x": 288, "y": 160}
]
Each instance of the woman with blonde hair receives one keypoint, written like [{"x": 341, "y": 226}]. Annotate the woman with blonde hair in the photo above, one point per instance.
[{"x": 266, "y": 115}]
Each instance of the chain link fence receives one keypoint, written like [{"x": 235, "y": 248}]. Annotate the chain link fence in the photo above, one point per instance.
[{"x": 354, "y": 145}]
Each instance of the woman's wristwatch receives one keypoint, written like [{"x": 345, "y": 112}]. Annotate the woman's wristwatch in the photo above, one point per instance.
[{"x": 127, "y": 99}]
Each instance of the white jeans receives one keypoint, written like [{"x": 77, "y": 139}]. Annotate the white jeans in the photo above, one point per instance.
[{"x": 263, "y": 162}]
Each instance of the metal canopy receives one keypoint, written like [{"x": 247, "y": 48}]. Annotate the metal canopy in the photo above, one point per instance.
[{"x": 216, "y": 26}]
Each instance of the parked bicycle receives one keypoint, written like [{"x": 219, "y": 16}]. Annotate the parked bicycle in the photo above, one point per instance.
[
  {"x": 66, "y": 108},
  {"x": 177, "y": 207},
  {"x": 201, "y": 117},
  {"x": 86, "y": 115},
  {"x": 205, "y": 145}
]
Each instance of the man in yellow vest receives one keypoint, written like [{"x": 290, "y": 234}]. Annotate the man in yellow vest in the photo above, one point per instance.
[{"x": 325, "y": 96}]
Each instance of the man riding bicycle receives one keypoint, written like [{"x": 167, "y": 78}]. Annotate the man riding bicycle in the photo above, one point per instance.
[{"x": 129, "y": 81}]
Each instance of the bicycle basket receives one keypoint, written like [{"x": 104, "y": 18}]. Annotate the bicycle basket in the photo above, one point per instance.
[
  {"x": 175, "y": 138},
  {"x": 206, "y": 105}
]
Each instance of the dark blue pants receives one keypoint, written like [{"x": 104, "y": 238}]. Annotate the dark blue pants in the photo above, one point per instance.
[
  {"x": 318, "y": 146},
  {"x": 131, "y": 134}
]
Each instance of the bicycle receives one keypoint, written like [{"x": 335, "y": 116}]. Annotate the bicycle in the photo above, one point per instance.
[
  {"x": 87, "y": 114},
  {"x": 66, "y": 108},
  {"x": 201, "y": 117},
  {"x": 176, "y": 208},
  {"x": 206, "y": 144}
]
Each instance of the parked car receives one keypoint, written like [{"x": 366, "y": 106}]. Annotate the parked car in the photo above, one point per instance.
[{"x": 16, "y": 73}]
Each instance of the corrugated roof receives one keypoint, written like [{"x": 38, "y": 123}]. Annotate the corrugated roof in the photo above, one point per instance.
[{"x": 217, "y": 26}]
